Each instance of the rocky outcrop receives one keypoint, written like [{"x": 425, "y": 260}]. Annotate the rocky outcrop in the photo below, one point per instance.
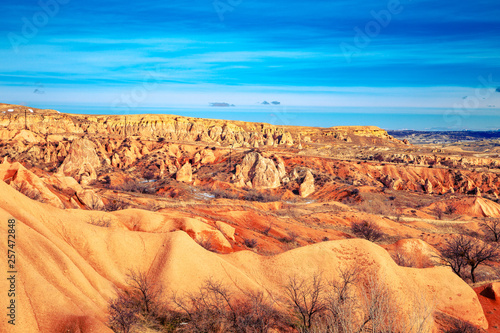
[
  {"x": 82, "y": 161},
  {"x": 258, "y": 171},
  {"x": 185, "y": 174},
  {"x": 428, "y": 187},
  {"x": 307, "y": 186},
  {"x": 305, "y": 178}
]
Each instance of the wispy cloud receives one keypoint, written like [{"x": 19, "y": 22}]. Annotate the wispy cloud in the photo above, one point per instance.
[{"x": 279, "y": 45}]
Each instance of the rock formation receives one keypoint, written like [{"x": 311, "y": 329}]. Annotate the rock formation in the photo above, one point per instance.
[
  {"x": 185, "y": 174},
  {"x": 81, "y": 161},
  {"x": 260, "y": 171},
  {"x": 307, "y": 186}
]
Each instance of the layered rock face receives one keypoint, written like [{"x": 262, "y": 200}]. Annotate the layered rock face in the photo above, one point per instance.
[{"x": 234, "y": 133}]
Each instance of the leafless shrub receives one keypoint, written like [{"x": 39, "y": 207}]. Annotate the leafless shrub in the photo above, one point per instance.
[
  {"x": 374, "y": 204},
  {"x": 140, "y": 301},
  {"x": 31, "y": 193},
  {"x": 438, "y": 212},
  {"x": 382, "y": 314},
  {"x": 99, "y": 221},
  {"x": 290, "y": 238},
  {"x": 214, "y": 308},
  {"x": 145, "y": 291},
  {"x": 207, "y": 243},
  {"x": 122, "y": 313},
  {"x": 462, "y": 251},
  {"x": 153, "y": 206},
  {"x": 450, "y": 210},
  {"x": 254, "y": 195},
  {"x": 114, "y": 205},
  {"x": 403, "y": 260},
  {"x": 460, "y": 326},
  {"x": 342, "y": 304},
  {"x": 367, "y": 230},
  {"x": 136, "y": 186},
  {"x": 398, "y": 212},
  {"x": 268, "y": 229},
  {"x": 95, "y": 203},
  {"x": 250, "y": 243},
  {"x": 223, "y": 194},
  {"x": 491, "y": 227}
]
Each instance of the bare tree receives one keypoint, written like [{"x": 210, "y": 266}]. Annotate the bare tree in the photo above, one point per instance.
[
  {"x": 342, "y": 302},
  {"x": 453, "y": 254},
  {"x": 139, "y": 301},
  {"x": 462, "y": 251},
  {"x": 491, "y": 227},
  {"x": 306, "y": 298},
  {"x": 145, "y": 290}
]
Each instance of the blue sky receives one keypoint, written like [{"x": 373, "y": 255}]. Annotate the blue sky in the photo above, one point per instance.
[{"x": 421, "y": 53}]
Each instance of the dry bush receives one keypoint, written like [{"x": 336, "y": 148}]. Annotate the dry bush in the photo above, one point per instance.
[
  {"x": 398, "y": 212},
  {"x": 367, "y": 230},
  {"x": 223, "y": 194},
  {"x": 459, "y": 326},
  {"x": 152, "y": 206},
  {"x": 114, "y": 205},
  {"x": 214, "y": 308},
  {"x": 32, "y": 193},
  {"x": 268, "y": 229},
  {"x": 136, "y": 186},
  {"x": 99, "y": 221},
  {"x": 254, "y": 195},
  {"x": 207, "y": 244},
  {"x": 250, "y": 243},
  {"x": 122, "y": 313},
  {"x": 291, "y": 238},
  {"x": 95, "y": 203},
  {"x": 138, "y": 302},
  {"x": 402, "y": 259},
  {"x": 438, "y": 212},
  {"x": 450, "y": 210},
  {"x": 375, "y": 204},
  {"x": 412, "y": 259}
]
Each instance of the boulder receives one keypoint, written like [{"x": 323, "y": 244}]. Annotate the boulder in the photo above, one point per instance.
[
  {"x": 307, "y": 186},
  {"x": 185, "y": 174}
]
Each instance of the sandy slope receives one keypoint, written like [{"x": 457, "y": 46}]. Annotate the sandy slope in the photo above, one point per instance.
[{"x": 68, "y": 268}]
